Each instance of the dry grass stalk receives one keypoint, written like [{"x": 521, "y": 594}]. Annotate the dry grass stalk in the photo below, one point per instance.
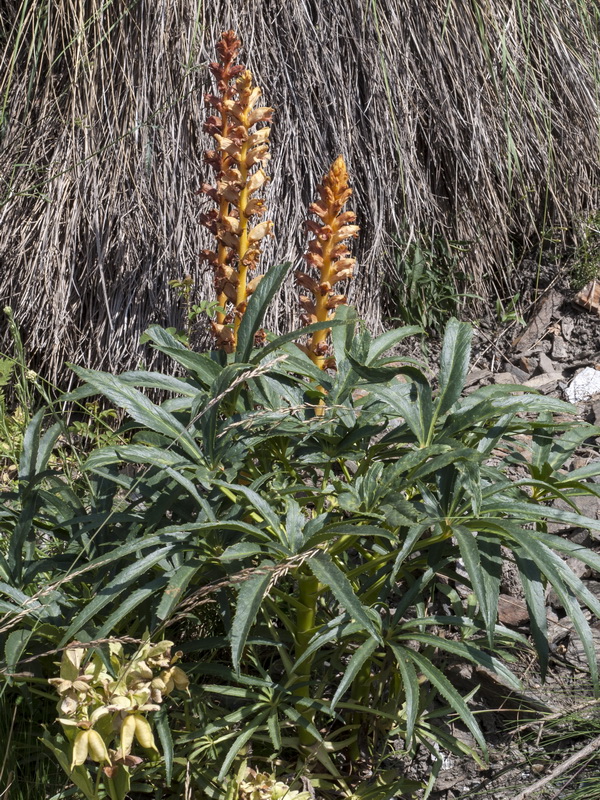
[
  {"x": 239, "y": 151},
  {"x": 480, "y": 119}
]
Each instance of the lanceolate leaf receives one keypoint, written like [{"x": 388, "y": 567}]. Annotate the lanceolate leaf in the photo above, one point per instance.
[
  {"x": 535, "y": 597},
  {"x": 249, "y": 600},
  {"x": 448, "y": 692},
  {"x": 326, "y": 571},
  {"x": 411, "y": 690},
  {"x": 245, "y": 736},
  {"x": 114, "y": 589},
  {"x": 364, "y": 653},
  {"x": 140, "y": 408},
  {"x": 163, "y": 728},
  {"x": 389, "y": 339},
  {"x": 454, "y": 364},
  {"x": 257, "y": 308}
]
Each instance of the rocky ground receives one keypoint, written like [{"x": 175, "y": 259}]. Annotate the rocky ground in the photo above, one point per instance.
[{"x": 545, "y": 743}]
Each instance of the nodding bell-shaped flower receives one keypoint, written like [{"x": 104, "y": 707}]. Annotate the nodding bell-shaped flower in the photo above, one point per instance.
[
  {"x": 238, "y": 162},
  {"x": 89, "y": 744},
  {"x": 328, "y": 257}
]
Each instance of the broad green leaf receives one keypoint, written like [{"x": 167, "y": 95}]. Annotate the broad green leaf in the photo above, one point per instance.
[
  {"x": 274, "y": 731},
  {"x": 389, "y": 339},
  {"x": 163, "y": 728},
  {"x": 326, "y": 571},
  {"x": 178, "y": 583},
  {"x": 140, "y": 408},
  {"x": 535, "y": 598},
  {"x": 411, "y": 690},
  {"x": 16, "y": 643},
  {"x": 469, "y": 651},
  {"x": 156, "y": 380},
  {"x": 115, "y": 588},
  {"x": 249, "y": 599},
  {"x": 454, "y": 363},
  {"x": 448, "y": 692},
  {"x": 364, "y": 652},
  {"x": 257, "y": 307},
  {"x": 469, "y": 551},
  {"x": 341, "y": 337},
  {"x": 490, "y": 557}
]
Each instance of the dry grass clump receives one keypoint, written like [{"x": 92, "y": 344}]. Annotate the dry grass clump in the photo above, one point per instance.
[{"x": 479, "y": 120}]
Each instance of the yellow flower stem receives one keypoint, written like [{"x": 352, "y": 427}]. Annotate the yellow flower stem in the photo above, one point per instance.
[
  {"x": 243, "y": 238},
  {"x": 222, "y": 249},
  {"x": 222, "y": 257},
  {"x": 321, "y": 311}
]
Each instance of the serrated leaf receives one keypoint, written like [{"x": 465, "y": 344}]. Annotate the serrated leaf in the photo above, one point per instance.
[
  {"x": 163, "y": 728},
  {"x": 257, "y": 307},
  {"x": 115, "y": 588},
  {"x": 326, "y": 571},
  {"x": 364, "y": 652},
  {"x": 454, "y": 363},
  {"x": 140, "y": 408},
  {"x": 249, "y": 599},
  {"x": 449, "y": 693},
  {"x": 411, "y": 690}
]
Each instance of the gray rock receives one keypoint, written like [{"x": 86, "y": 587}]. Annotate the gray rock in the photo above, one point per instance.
[{"x": 520, "y": 375}]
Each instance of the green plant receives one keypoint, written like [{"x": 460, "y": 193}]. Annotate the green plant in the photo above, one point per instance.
[
  {"x": 510, "y": 311},
  {"x": 328, "y": 543},
  {"x": 304, "y": 519},
  {"x": 585, "y": 261},
  {"x": 426, "y": 281},
  {"x": 103, "y": 707}
]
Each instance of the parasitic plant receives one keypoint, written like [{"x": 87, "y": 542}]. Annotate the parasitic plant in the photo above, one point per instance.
[
  {"x": 237, "y": 162},
  {"x": 328, "y": 255}
]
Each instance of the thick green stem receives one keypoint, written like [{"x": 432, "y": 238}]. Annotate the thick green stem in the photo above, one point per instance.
[{"x": 309, "y": 590}]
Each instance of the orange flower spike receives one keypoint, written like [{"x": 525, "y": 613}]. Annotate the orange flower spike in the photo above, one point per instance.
[
  {"x": 239, "y": 151},
  {"x": 328, "y": 254},
  {"x": 224, "y": 71},
  {"x": 248, "y": 149}
]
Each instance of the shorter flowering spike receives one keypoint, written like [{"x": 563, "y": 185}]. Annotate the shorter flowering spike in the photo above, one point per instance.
[{"x": 328, "y": 255}]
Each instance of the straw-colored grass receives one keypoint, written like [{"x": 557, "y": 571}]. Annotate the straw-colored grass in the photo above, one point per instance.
[{"x": 479, "y": 118}]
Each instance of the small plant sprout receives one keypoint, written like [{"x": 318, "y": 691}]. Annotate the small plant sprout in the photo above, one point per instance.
[
  {"x": 328, "y": 255},
  {"x": 237, "y": 162}
]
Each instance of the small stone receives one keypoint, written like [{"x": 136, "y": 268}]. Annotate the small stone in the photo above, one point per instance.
[
  {"x": 477, "y": 376},
  {"x": 512, "y": 611},
  {"x": 567, "y": 325},
  {"x": 559, "y": 349},
  {"x": 546, "y": 382},
  {"x": 584, "y": 385},
  {"x": 587, "y": 505},
  {"x": 546, "y": 364},
  {"x": 524, "y": 364},
  {"x": 520, "y": 374},
  {"x": 505, "y": 378}
]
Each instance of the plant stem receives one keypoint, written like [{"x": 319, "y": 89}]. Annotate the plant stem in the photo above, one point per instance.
[{"x": 309, "y": 589}]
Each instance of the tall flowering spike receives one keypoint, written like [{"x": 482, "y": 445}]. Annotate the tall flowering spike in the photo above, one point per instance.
[
  {"x": 328, "y": 255},
  {"x": 237, "y": 161}
]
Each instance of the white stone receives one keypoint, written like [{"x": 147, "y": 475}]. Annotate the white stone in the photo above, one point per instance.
[{"x": 584, "y": 385}]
